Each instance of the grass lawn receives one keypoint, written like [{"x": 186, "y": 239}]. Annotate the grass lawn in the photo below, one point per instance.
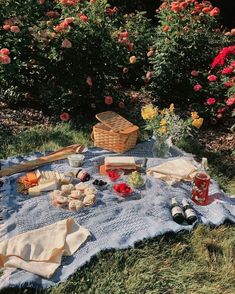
[{"x": 202, "y": 261}]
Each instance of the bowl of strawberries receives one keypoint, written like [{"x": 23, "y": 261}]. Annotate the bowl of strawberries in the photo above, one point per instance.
[
  {"x": 115, "y": 174},
  {"x": 122, "y": 189}
]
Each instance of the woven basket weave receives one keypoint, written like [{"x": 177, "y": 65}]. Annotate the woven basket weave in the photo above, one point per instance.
[{"x": 114, "y": 133}]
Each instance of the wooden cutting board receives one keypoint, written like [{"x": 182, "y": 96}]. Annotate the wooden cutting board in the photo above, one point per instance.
[{"x": 32, "y": 164}]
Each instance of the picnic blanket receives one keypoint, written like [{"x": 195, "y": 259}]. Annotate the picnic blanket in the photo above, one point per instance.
[{"x": 113, "y": 222}]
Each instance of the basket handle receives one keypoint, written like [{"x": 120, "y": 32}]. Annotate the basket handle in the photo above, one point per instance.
[{"x": 92, "y": 136}]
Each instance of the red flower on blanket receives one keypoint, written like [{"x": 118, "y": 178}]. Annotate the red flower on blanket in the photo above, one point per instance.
[{"x": 65, "y": 116}]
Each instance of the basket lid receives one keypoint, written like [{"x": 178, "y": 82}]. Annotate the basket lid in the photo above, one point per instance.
[{"x": 114, "y": 121}]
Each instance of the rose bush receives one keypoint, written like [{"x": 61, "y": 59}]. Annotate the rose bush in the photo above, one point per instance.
[
  {"x": 187, "y": 38},
  {"x": 217, "y": 96},
  {"x": 69, "y": 56}
]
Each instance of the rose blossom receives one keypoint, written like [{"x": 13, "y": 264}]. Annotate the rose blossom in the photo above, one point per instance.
[
  {"x": 221, "y": 110},
  {"x": 6, "y": 27},
  {"x": 210, "y": 101},
  {"x": 65, "y": 116},
  {"x": 5, "y": 51},
  {"x": 15, "y": 29},
  {"x": 232, "y": 64},
  {"x": 5, "y": 59},
  {"x": 197, "y": 87},
  {"x": 108, "y": 100},
  {"x": 212, "y": 78},
  {"x": 215, "y": 11},
  {"x": 83, "y": 17},
  {"x": 227, "y": 70},
  {"x": 228, "y": 84},
  {"x": 230, "y": 101},
  {"x": 66, "y": 44},
  {"x": 89, "y": 81},
  {"x": 194, "y": 73}
]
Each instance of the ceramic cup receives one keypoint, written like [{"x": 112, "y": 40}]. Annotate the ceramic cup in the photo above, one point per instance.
[{"x": 76, "y": 160}]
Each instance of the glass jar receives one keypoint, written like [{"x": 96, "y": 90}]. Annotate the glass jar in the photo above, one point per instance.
[{"x": 161, "y": 146}]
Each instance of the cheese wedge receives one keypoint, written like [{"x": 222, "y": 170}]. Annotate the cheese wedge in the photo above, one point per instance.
[
  {"x": 51, "y": 185},
  {"x": 34, "y": 191}
]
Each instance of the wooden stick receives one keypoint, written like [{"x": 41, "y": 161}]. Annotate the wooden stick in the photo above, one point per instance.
[{"x": 32, "y": 164}]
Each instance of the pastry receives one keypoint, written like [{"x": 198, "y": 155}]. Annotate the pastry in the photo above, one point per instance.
[
  {"x": 76, "y": 194},
  {"x": 79, "y": 205},
  {"x": 81, "y": 186},
  {"x": 66, "y": 189},
  {"x": 89, "y": 190},
  {"x": 72, "y": 204},
  {"x": 89, "y": 200}
]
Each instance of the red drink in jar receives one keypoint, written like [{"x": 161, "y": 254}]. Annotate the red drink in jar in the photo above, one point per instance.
[{"x": 200, "y": 188}]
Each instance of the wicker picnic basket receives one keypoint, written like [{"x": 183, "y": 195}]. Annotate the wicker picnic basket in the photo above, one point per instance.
[{"x": 114, "y": 133}]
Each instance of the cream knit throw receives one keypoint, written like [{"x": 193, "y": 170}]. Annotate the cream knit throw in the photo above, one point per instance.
[{"x": 40, "y": 251}]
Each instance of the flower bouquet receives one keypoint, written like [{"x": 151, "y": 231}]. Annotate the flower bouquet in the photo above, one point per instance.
[{"x": 166, "y": 126}]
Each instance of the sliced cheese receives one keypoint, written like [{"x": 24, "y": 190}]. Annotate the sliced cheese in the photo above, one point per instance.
[
  {"x": 34, "y": 191},
  {"x": 48, "y": 186}
]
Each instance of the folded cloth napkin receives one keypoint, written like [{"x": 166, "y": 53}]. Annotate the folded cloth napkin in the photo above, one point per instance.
[
  {"x": 40, "y": 251},
  {"x": 174, "y": 170}
]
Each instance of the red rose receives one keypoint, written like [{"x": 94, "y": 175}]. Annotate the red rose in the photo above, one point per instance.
[
  {"x": 65, "y": 116},
  {"x": 212, "y": 78},
  {"x": 228, "y": 84},
  {"x": 210, "y": 101},
  {"x": 108, "y": 100},
  {"x": 123, "y": 34},
  {"x": 232, "y": 64},
  {"x": 197, "y": 87},
  {"x": 227, "y": 70}
]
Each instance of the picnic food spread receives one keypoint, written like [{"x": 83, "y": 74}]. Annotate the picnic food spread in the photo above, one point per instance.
[{"x": 77, "y": 190}]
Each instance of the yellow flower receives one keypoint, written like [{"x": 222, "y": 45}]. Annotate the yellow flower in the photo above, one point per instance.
[
  {"x": 171, "y": 108},
  {"x": 194, "y": 115},
  {"x": 148, "y": 112},
  {"x": 197, "y": 123},
  {"x": 163, "y": 130},
  {"x": 163, "y": 112},
  {"x": 163, "y": 122}
]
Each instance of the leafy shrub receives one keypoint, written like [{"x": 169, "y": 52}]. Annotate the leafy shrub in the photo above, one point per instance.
[
  {"x": 67, "y": 56},
  {"x": 188, "y": 37}
]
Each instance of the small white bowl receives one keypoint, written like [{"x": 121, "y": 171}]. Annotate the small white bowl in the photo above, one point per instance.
[{"x": 76, "y": 160}]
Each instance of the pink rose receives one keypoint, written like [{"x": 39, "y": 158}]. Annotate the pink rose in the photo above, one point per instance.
[
  {"x": 227, "y": 70},
  {"x": 15, "y": 29},
  {"x": 66, "y": 44},
  {"x": 4, "y": 51},
  {"x": 197, "y": 87},
  {"x": 194, "y": 73},
  {"x": 89, "y": 81},
  {"x": 212, "y": 78},
  {"x": 6, "y": 27},
  {"x": 68, "y": 20},
  {"x": 210, "y": 101},
  {"x": 215, "y": 11},
  {"x": 221, "y": 109},
  {"x": 5, "y": 59},
  {"x": 232, "y": 64},
  {"x": 83, "y": 17},
  {"x": 65, "y": 116},
  {"x": 230, "y": 101}
]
